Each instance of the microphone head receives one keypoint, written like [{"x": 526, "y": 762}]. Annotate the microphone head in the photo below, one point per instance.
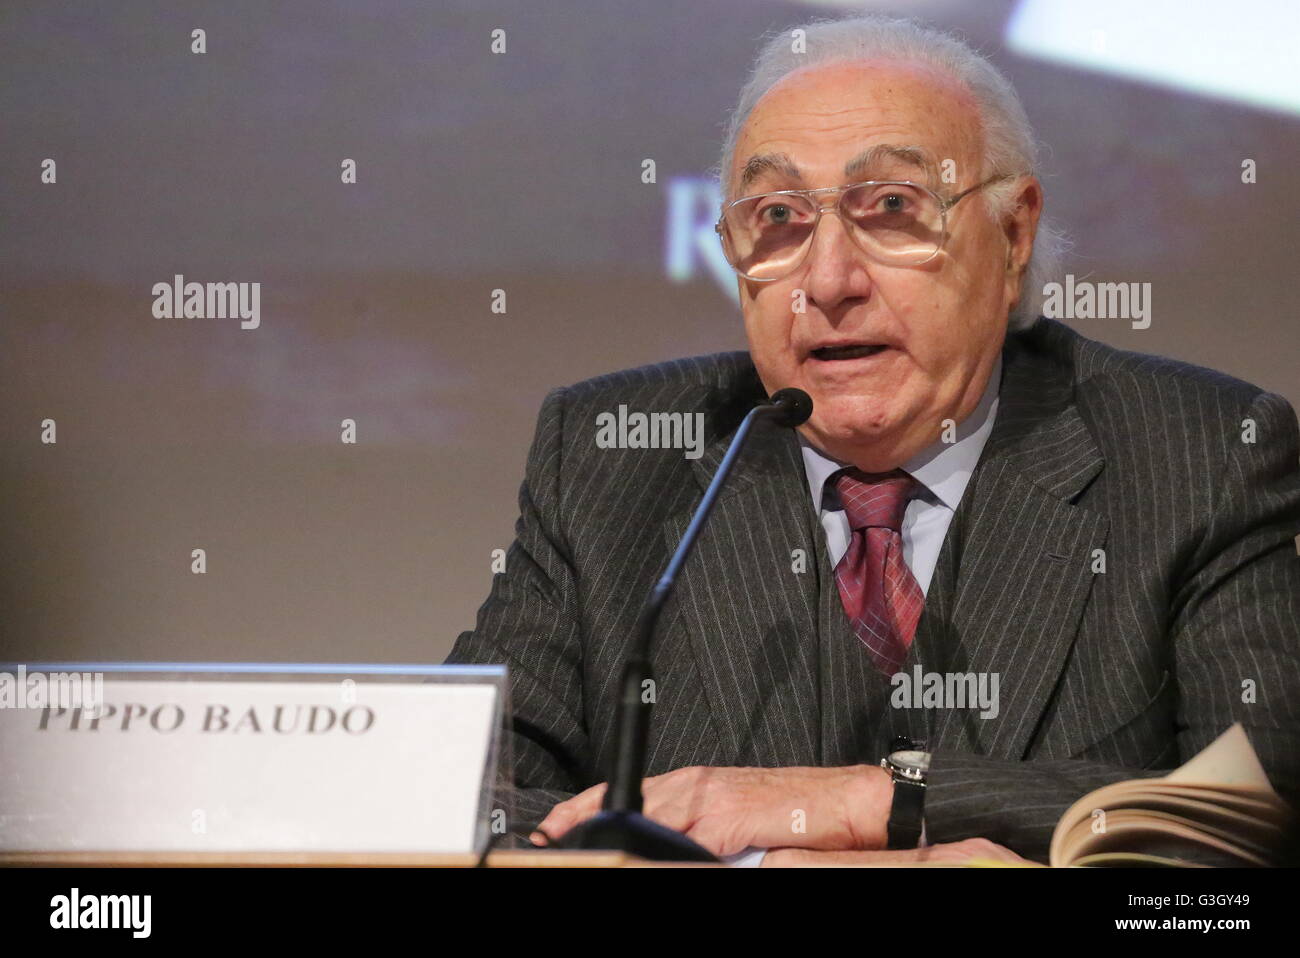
[{"x": 793, "y": 406}]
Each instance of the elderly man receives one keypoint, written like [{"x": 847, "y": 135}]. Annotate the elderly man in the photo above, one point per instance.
[{"x": 1102, "y": 541}]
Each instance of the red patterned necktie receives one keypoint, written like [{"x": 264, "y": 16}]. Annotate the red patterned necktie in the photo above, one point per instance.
[{"x": 881, "y": 596}]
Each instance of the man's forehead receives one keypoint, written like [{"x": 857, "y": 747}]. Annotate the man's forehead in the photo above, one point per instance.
[{"x": 871, "y": 114}]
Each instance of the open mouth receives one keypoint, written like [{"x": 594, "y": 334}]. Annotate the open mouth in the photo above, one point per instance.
[{"x": 834, "y": 353}]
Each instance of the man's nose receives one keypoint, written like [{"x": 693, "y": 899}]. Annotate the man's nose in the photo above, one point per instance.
[{"x": 836, "y": 267}]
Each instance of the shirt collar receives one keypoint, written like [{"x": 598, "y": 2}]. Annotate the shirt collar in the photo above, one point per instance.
[{"x": 943, "y": 468}]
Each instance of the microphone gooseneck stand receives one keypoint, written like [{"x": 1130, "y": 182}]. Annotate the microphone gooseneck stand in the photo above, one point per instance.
[{"x": 620, "y": 825}]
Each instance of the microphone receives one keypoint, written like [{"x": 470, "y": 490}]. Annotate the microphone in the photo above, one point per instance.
[
  {"x": 793, "y": 406},
  {"x": 620, "y": 825}
]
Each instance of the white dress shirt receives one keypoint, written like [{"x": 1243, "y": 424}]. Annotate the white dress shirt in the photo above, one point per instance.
[{"x": 942, "y": 468}]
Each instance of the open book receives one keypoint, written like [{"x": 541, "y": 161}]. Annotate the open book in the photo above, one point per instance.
[{"x": 1216, "y": 810}]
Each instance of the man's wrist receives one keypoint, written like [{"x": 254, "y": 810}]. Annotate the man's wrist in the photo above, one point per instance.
[{"x": 870, "y": 800}]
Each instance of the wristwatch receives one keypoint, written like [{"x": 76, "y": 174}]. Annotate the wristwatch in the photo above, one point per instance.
[{"x": 908, "y": 766}]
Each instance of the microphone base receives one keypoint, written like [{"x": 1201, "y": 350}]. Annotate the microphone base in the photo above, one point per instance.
[{"x": 634, "y": 834}]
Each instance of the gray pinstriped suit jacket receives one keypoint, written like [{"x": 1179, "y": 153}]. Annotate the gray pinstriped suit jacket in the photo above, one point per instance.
[{"x": 1103, "y": 675}]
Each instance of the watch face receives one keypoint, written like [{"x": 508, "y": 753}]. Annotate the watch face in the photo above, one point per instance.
[{"x": 912, "y": 760}]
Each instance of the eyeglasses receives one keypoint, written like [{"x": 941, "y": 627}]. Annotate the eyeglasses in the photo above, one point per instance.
[{"x": 895, "y": 222}]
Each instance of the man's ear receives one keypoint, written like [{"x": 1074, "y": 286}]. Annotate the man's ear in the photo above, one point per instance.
[{"x": 1020, "y": 224}]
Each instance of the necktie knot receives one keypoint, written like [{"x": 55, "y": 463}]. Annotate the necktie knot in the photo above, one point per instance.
[{"x": 875, "y": 500}]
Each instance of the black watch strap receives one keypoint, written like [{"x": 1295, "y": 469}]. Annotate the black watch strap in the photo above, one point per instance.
[{"x": 906, "y": 814}]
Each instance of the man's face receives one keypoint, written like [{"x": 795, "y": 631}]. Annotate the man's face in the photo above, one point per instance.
[{"x": 931, "y": 334}]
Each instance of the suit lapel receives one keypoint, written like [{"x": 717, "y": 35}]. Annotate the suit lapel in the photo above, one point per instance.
[
  {"x": 1024, "y": 554},
  {"x": 747, "y": 598}
]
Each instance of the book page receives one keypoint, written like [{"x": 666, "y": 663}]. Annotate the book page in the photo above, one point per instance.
[{"x": 1228, "y": 766}]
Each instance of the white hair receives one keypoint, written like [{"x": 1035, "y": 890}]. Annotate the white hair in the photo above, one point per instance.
[{"x": 1009, "y": 144}]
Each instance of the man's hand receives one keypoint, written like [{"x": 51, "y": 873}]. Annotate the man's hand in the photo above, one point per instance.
[
  {"x": 727, "y": 810},
  {"x": 950, "y": 853}
]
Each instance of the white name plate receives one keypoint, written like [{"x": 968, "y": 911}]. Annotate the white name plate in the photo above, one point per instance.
[{"x": 202, "y": 761}]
